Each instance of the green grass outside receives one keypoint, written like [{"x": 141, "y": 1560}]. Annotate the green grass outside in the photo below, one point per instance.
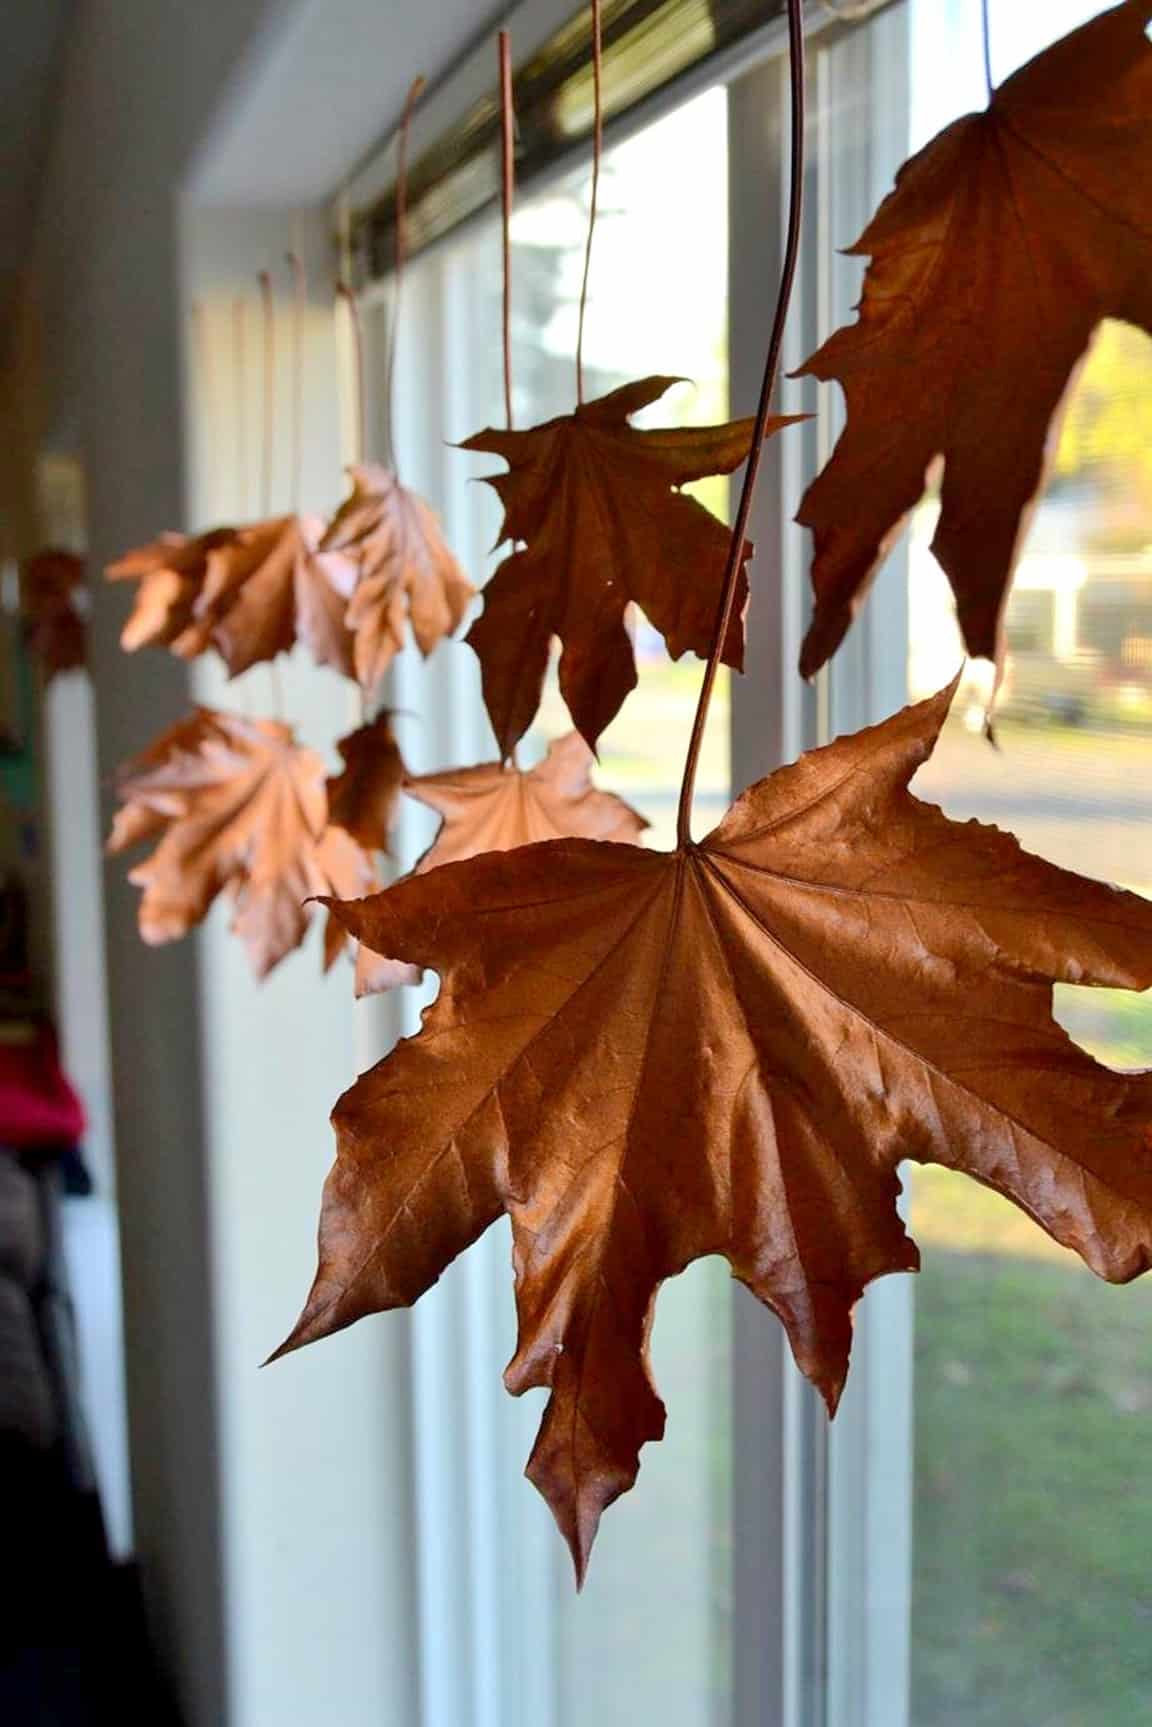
[{"x": 1033, "y": 1545}]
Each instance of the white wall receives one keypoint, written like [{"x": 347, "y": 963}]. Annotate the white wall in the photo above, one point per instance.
[
  {"x": 316, "y": 1471},
  {"x": 267, "y": 1530}
]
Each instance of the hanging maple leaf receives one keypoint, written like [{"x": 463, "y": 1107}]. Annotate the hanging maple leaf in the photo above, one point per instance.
[
  {"x": 235, "y": 804},
  {"x": 405, "y": 573},
  {"x": 171, "y": 572},
  {"x": 1004, "y": 244},
  {"x": 596, "y": 505},
  {"x": 493, "y": 808},
  {"x": 362, "y": 798},
  {"x": 646, "y": 1057},
  {"x": 268, "y": 588},
  {"x": 55, "y": 631}
]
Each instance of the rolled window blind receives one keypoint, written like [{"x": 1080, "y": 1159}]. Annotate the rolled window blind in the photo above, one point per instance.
[{"x": 649, "y": 46}]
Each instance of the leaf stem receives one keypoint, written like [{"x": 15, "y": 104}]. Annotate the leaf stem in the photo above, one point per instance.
[
  {"x": 268, "y": 321},
  {"x": 986, "y": 29},
  {"x": 796, "y": 61},
  {"x": 597, "y": 150},
  {"x": 507, "y": 189},
  {"x": 415, "y": 91},
  {"x": 240, "y": 369},
  {"x": 345, "y": 293}
]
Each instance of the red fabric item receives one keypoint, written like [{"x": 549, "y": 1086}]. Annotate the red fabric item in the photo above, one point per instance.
[{"x": 38, "y": 1106}]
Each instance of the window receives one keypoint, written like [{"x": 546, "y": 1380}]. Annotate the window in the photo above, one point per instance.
[
  {"x": 962, "y": 1546},
  {"x": 1030, "y": 1598},
  {"x": 649, "y": 1638}
]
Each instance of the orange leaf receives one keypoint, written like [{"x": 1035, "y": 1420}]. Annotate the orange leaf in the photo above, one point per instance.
[
  {"x": 268, "y": 587},
  {"x": 171, "y": 573},
  {"x": 494, "y": 808},
  {"x": 596, "y": 505},
  {"x": 646, "y": 1057},
  {"x": 1004, "y": 244},
  {"x": 362, "y": 799},
  {"x": 56, "y": 631},
  {"x": 404, "y": 571},
  {"x": 235, "y": 804}
]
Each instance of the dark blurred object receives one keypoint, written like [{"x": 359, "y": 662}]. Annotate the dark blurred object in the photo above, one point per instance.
[
  {"x": 55, "y": 630},
  {"x": 73, "y": 1646},
  {"x": 15, "y": 966}
]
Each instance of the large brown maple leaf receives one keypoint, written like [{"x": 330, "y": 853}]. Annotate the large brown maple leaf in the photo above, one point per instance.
[
  {"x": 235, "y": 804},
  {"x": 647, "y": 1057},
  {"x": 595, "y": 504},
  {"x": 405, "y": 572},
  {"x": 1004, "y": 244},
  {"x": 492, "y": 808}
]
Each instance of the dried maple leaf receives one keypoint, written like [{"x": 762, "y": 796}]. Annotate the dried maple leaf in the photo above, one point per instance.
[
  {"x": 362, "y": 798},
  {"x": 55, "y": 630},
  {"x": 595, "y": 504},
  {"x": 235, "y": 804},
  {"x": 171, "y": 572},
  {"x": 268, "y": 588},
  {"x": 405, "y": 572},
  {"x": 1004, "y": 244},
  {"x": 494, "y": 808},
  {"x": 646, "y": 1057}
]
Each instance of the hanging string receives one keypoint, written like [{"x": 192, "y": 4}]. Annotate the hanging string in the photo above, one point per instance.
[
  {"x": 206, "y": 417},
  {"x": 345, "y": 293},
  {"x": 507, "y": 191},
  {"x": 268, "y": 324},
  {"x": 299, "y": 299},
  {"x": 987, "y": 33},
  {"x": 359, "y": 444},
  {"x": 240, "y": 372},
  {"x": 771, "y": 366},
  {"x": 597, "y": 148},
  {"x": 414, "y": 94},
  {"x": 267, "y": 444}
]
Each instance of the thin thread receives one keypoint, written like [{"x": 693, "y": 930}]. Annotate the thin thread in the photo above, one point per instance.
[
  {"x": 299, "y": 296},
  {"x": 240, "y": 367},
  {"x": 796, "y": 60},
  {"x": 268, "y": 319},
  {"x": 204, "y": 378},
  {"x": 507, "y": 191},
  {"x": 987, "y": 31},
  {"x": 344, "y": 292},
  {"x": 415, "y": 92},
  {"x": 597, "y": 148}
]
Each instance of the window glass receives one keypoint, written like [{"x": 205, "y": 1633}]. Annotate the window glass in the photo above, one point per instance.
[
  {"x": 1032, "y": 1599},
  {"x": 648, "y": 1638}
]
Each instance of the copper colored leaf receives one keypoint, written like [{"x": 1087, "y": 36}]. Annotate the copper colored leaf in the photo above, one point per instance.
[
  {"x": 494, "y": 808},
  {"x": 1004, "y": 244},
  {"x": 171, "y": 572},
  {"x": 268, "y": 588},
  {"x": 56, "y": 632},
  {"x": 595, "y": 503},
  {"x": 646, "y": 1057},
  {"x": 362, "y": 799},
  {"x": 405, "y": 574},
  {"x": 234, "y": 804}
]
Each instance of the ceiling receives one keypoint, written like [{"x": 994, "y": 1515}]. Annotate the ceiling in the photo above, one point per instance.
[
  {"x": 33, "y": 32},
  {"x": 252, "y": 158}
]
